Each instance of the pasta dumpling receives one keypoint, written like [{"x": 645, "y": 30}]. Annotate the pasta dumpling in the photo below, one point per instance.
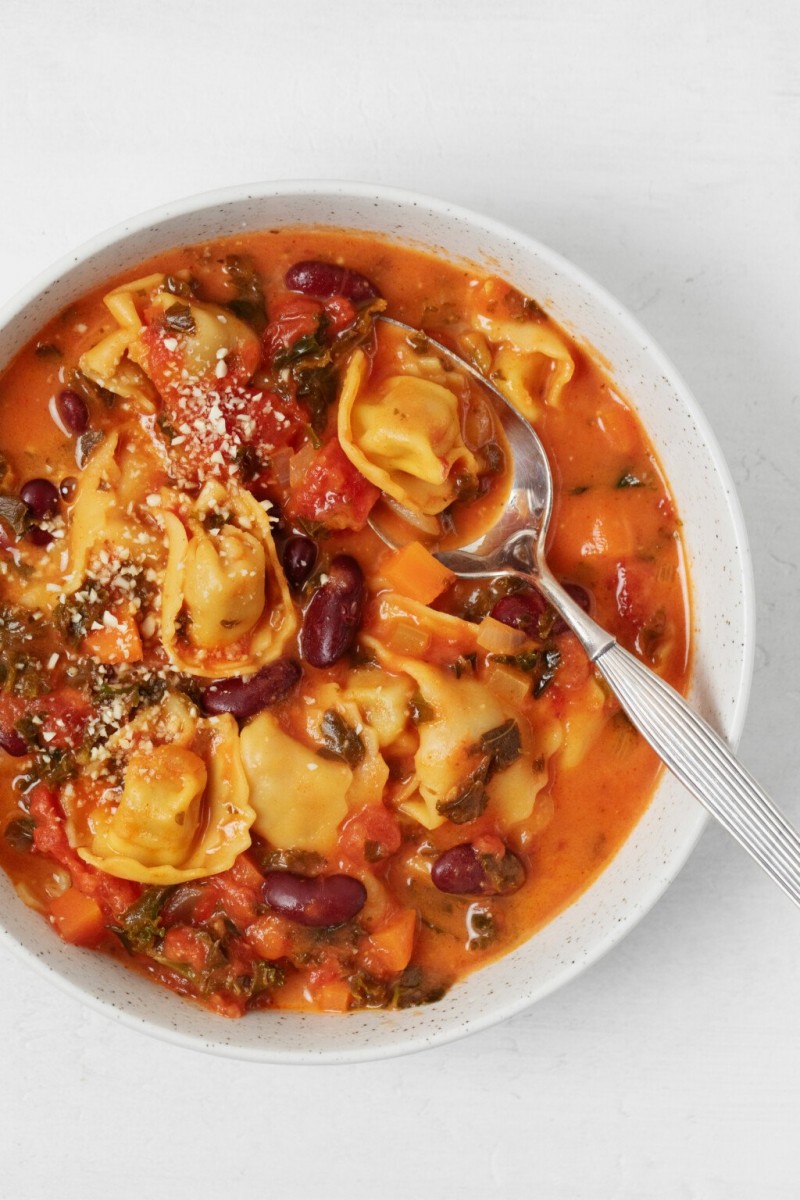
[
  {"x": 404, "y": 436},
  {"x": 531, "y": 365},
  {"x": 183, "y": 811},
  {"x": 192, "y": 349},
  {"x": 225, "y": 604},
  {"x": 299, "y": 798}
]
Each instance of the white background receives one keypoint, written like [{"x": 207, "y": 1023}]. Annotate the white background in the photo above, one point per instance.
[{"x": 657, "y": 145}]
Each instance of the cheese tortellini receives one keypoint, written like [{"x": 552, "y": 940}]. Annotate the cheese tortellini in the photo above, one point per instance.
[
  {"x": 404, "y": 435},
  {"x": 531, "y": 365},
  {"x": 184, "y": 809},
  {"x": 225, "y": 604},
  {"x": 119, "y": 361}
]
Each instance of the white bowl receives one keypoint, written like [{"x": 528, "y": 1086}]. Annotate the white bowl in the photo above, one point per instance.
[{"x": 720, "y": 569}]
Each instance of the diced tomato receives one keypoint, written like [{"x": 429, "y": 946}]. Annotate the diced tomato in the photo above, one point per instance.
[
  {"x": 275, "y": 420},
  {"x": 269, "y": 937},
  {"x": 370, "y": 835},
  {"x": 293, "y": 317},
  {"x": 65, "y": 714},
  {"x": 185, "y": 945},
  {"x": 333, "y": 491},
  {"x": 50, "y": 838},
  {"x": 634, "y": 587},
  {"x": 238, "y": 891},
  {"x": 340, "y": 312}
]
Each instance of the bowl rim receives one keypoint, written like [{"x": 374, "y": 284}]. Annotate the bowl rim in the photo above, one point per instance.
[{"x": 734, "y": 718}]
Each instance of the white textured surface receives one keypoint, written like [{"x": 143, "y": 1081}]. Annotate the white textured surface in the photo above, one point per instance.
[{"x": 658, "y": 147}]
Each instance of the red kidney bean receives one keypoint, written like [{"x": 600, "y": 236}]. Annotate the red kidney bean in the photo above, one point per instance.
[
  {"x": 322, "y": 279},
  {"x": 180, "y": 906},
  {"x": 462, "y": 871},
  {"x": 333, "y": 617},
  {"x": 580, "y": 596},
  {"x": 521, "y": 610},
  {"x": 319, "y": 901},
  {"x": 13, "y": 742},
  {"x": 39, "y": 537},
  {"x": 299, "y": 559},
  {"x": 459, "y": 871},
  {"x": 73, "y": 411},
  {"x": 245, "y": 697},
  {"x": 524, "y": 610},
  {"x": 41, "y": 497}
]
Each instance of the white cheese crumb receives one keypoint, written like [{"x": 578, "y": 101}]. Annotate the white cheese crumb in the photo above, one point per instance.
[
  {"x": 171, "y": 343},
  {"x": 221, "y": 370}
]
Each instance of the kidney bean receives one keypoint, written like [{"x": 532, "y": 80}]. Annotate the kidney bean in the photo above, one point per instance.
[
  {"x": 333, "y": 617},
  {"x": 521, "y": 610},
  {"x": 580, "y": 596},
  {"x": 322, "y": 279},
  {"x": 319, "y": 901},
  {"x": 39, "y": 537},
  {"x": 73, "y": 411},
  {"x": 245, "y": 697},
  {"x": 459, "y": 871},
  {"x": 462, "y": 871},
  {"x": 13, "y": 742},
  {"x": 41, "y": 497},
  {"x": 299, "y": 559}
]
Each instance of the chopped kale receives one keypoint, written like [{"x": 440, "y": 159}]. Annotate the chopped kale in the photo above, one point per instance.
[{"x": 340, "y": 739}]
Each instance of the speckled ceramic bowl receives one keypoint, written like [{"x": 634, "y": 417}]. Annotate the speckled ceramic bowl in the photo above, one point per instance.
[{"x": 723, "y": 622}]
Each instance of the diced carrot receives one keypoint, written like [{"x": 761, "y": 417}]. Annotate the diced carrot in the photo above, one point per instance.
[
  {"x": 414, "y": 571},
  {"x": 78, "y": 918},
  {"x": 332, "y": 996},
  {"x": 388, "y": 950},
  {"x": 117, "y": 642}
]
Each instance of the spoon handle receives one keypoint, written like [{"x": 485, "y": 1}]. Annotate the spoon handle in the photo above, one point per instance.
[{"x": 704, "y": 764}]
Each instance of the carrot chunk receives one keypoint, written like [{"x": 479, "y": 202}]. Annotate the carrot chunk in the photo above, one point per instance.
[
  {"x": 414, "y": 571},
  {"x": 118, "y": 641},
  {"x": 78, "y": 918}
]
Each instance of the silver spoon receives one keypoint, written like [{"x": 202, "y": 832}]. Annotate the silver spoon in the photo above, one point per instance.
[{"x": 691, "y": 749}]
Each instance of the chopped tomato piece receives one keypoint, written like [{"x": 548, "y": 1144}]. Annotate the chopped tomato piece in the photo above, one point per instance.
[
  {"x": 238, "y": 891},
  {"x": 293, "y": 317},
  {"x": 333, "y": 491},
  {"x": 340, "y": 312},
  {"x": 269, "y": 936},
  {"x": 370, "y": 835},
  {"x": 186, "y": 946}
]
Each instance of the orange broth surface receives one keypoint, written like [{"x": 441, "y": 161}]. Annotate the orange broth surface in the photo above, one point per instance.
[{"x": 216, "y": 937}]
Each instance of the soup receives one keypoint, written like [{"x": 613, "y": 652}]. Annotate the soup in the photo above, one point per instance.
[{"x": 247, "y": 748}]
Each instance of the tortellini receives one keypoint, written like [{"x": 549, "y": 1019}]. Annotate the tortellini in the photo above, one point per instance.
[
  {"x": 531, "y": 366},
  {"x": 103, "y": 517},
  {"x": 404, "y": 435},
  {"x": 299, "y": 798},
  {"x": 225, "y": 604},
  {"x": 111, "y": 363},
  {"x": 184, "y": 809},
  {"x": 460, "y": 712},
  {"x": 120, "y": 362}
]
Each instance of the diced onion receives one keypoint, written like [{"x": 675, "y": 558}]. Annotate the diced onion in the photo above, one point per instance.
[
  {"x": 280, "y": 464},
  {"x": 406, "y": 638},
  {"x": 508, "y": 683},
  {"x": 299, "y": 464},
  {"x": 497, "y": 638},
  {"x": 429, "y": 525}
]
